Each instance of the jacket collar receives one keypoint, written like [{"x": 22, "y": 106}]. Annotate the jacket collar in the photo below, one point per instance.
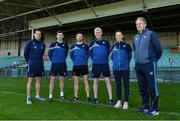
[{"x": 145, "y": 30}]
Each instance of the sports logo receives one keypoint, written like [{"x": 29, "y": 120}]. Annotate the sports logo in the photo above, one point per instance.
[
  {"x": 151, "y": 73},
  {"x": 35, "y": 47}
]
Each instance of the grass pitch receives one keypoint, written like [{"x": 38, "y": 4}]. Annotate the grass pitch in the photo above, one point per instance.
[{"x": 13, "y": 102}]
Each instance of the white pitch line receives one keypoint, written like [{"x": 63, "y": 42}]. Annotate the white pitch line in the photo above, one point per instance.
[
  {"x": 82, "y": 102},
  {"x": 133, "y": 109},
  {"x": 14, "y": 93}
]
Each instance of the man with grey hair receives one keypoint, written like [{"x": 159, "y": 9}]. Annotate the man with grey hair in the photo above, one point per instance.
[
  {"x": 99, "y": 53},
  {"x": 147, "y": 52}
]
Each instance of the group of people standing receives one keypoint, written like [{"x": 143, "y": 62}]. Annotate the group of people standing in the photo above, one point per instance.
[{"x": 147, "y": 51}]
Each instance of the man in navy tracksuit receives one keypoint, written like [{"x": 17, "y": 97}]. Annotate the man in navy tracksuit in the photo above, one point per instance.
[
  {"x": 121, "y": 54},
  {"x": 99, "y": 53},
  {"x": 147, "y": 52},
  {"x": 79, "y": 54},
  {"x": 58, "y": 51},
  {"x": 33, "y": 53}
]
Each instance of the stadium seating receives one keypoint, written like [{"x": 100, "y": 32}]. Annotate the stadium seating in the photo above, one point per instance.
[
  {"x": 162, "y": 63},
  {"x": 167, "y": 54},
  {"x": 9, "y": 62}
]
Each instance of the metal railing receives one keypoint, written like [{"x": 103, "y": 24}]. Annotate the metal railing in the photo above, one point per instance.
[{"x": 163, "y": 74}]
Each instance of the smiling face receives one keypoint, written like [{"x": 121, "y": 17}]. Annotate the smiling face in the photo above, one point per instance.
[
  {"x": 98, "y": 33},
  {"x": 119, "y": 36},
  {"x": 79, "y": 37},
  {"x": 37, "y": 35},
  {"x": 140, "y": 25},
  {"x": 60, "y": 36}
]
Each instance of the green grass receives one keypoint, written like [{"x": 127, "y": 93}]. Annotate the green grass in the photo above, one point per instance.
[{"x": 13, "y": 106}]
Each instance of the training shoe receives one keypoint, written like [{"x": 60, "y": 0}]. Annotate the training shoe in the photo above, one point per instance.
[
  {"x": 111, "y": 102},
  {"x": 50, "y": 99},
  {"x": 62, "y": 98},
  {"x": 153, "y": 112},
  {"x": 88, "y": 100},
  {"x": 95, "y": 101},
  {"x": 125, "y": 106},
  {"x": 40, "y": 99},
  {"x": 143, "y": 110},
  {"x": 28, "y": 101},
  {"x": 118, "y": 104},
  {"x": 75, "y": 98}
]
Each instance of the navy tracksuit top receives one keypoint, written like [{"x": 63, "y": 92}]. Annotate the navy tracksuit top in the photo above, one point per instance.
[
  {"x": 58, "y": 52},
  {"x": 121, "y": 54},
  {"x": 79, "y": 54},
  {"x": 34, "y": 51},
  {"x": 99, "y": 51}
]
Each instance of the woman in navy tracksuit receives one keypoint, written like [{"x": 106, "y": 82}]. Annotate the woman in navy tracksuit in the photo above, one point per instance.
[{"x": 121, "y": 54}]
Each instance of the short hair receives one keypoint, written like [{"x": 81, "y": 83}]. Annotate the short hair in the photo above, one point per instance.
[
  {"x": 141, "y": 19},
  {"x": 42, "y": 34},
  {"x": 97, "y": 29},
  {"x": 37, "y": 30},
  {"x": 59, "y": 31},
  {"x": 79, "y": 33},
  {"x": 119, "y": 31}
]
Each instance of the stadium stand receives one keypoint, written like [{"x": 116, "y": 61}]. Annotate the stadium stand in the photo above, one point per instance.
[
  {"x": 162, "y": 63},
  {"x": 10, "y": 62},
  {"x": 7, "y": 62}
]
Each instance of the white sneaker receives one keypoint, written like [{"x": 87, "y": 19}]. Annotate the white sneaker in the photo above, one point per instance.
[
  {"x": 125, "y": 106},
  {"x": 118, "y": 104},
  {"x": 28, "y": 101}
]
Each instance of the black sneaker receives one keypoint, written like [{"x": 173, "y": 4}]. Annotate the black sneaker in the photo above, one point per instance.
[
  {"x": 50, "y": 99},
  {"x": 152, "y": 111},
  {"x": 62, "y": 98},
  {"x": 40, "y": 99},
  {"x": 88, "y": 100},
  {"x": 75, "y": 99},
  {"x": 95, "y": 101},
  {"x": 111, "y": 102}
]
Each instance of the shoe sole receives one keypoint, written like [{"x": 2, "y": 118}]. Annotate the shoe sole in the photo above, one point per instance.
[
  {"x": 28, "y": 102},
  {"x": 125, "y": 108},
  {"x": 51, "y": 100},
  {"x": 149, "y": 114},
  {"x": 117, "y": 107},
  {"x": 40, "y": 100},
  {"x": 156, "y": 114}
]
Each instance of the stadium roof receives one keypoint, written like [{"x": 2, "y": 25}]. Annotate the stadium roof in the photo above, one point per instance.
[{"x": 15, "y": 15}]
